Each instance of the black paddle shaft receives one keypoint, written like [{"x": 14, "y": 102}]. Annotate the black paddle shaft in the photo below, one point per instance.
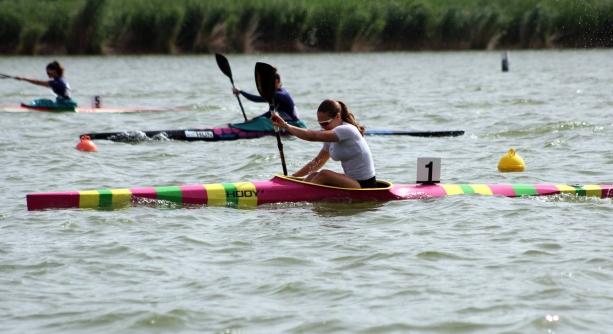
[
  {"x": 280, "y": 147},
  {"x": 413, "y": 133}
]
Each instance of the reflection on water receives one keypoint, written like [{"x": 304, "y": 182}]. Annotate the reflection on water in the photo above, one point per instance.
[{"x": 348, "y": 208}]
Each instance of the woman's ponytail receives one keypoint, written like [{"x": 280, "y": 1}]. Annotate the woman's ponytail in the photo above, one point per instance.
[
  {"x": 348, "y": 117},
  {"x": 334, "y": 107}
]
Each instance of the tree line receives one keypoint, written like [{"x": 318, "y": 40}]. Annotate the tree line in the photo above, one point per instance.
[{"x": 245, "y": 26}]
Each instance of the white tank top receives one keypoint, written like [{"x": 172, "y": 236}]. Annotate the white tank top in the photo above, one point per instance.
[{"x": 352, "y": 151}]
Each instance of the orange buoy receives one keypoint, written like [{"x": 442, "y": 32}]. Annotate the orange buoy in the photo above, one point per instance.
[{"x": 86, "y": 145}]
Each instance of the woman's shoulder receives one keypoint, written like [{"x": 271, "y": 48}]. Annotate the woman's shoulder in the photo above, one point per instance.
[
  {"x": 283, "y": 94},
  {"x": 60, "y": 80},
  {"x": 346, "y": 130},
  {"x": 350, "y": 126},
  {"x": 283, "y": 91}
]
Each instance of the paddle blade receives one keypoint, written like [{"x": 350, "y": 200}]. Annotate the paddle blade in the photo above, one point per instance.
[
  {"x": 265, "y": 81},
  {"x": 224, "y": 65}
]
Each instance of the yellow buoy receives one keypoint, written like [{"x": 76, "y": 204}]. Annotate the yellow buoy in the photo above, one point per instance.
[{"x": 511, "y": 162}]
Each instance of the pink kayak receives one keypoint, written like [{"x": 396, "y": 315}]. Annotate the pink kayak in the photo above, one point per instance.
[{"x": 282, "y": 189}]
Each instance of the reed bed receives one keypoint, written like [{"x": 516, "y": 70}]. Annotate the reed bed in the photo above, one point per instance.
[{"x": 204, "y": 26}]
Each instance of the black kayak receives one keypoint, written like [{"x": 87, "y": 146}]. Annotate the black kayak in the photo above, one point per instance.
[{"x": 231, "y": 133}]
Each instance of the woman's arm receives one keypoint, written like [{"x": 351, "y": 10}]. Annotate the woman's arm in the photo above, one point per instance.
[
  {"x": 250, "y": 97},
  {"x": 34, "y": 81},
  {"x": 314, "y": 165},
  {"x": 310, "y": 135}
]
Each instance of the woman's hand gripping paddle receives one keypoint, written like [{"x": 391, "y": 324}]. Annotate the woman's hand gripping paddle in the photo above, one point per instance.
[{"x": 224, "y": 66}]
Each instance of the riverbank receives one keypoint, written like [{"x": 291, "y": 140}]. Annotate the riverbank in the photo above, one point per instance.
[{"x": 31, "y": 27}]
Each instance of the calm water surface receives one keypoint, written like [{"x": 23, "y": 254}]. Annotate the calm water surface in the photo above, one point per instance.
[{"x": 463, "y": 264}]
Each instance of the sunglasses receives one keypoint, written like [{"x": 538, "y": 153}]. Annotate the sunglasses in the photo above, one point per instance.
[{"x": 324, "y": 123}]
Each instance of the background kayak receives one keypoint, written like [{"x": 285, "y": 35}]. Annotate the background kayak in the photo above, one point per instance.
[
  {"x": 228, "y": 133},
  {"x": 212, "y": 134},
  {"x": 20, "y": 108}
]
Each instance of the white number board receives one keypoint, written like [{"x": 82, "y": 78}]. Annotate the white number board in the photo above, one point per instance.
[{"x": 428, "y": 170}]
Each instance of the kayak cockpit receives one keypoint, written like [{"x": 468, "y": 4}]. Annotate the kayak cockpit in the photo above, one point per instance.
[{"x": 381, "y": 184}]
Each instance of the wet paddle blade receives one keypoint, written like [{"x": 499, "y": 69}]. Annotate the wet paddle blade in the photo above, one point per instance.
[
  {"x": 265, "y": 81},
  {"x": 224, "y": 65}
]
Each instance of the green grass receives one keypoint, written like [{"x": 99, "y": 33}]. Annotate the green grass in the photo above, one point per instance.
[{"x": 203, "y": 26}]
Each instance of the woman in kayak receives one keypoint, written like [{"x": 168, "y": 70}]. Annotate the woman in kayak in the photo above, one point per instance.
[
  {"x": 60, "y": 87},
  {"x": 343, "y": 140},
  {"x": 284, "y": 104}
]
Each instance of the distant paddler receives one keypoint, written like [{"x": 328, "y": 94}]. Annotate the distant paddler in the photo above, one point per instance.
[
  {"x": 284, "y": 105},
  {"x": 58, "y": 84},
  {"x": 343, "y": 139}
]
